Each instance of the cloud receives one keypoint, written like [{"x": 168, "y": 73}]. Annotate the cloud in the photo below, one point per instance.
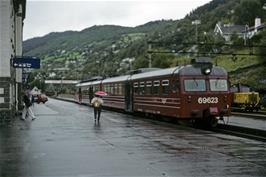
[{"x": 47, "y": 16}]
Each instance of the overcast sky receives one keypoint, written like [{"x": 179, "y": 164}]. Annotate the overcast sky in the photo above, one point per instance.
[{"x": 45, "y": 16}]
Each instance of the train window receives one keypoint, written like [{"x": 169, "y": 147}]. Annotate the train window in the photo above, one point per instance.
[
  {"x": 108, "y": 88},
  {"x": 136, "y": 88},
  {"x": 195, "y": 85},
  {"x": 122, "y": 89},
  {"x": 115, "y": 89},
  {"x": 111, "y": 89},
  {"x": 156, "y": 88},
  {"x": 148, "y": 87},
  {"x": 142, "y": 88},
  {"x": 175, "y": 86},
  {"x": 119, "y": 92},
  {"x": 218, "y": 85},
  {"x": 96, "y": 88},
  {"x": 84, "y": 91},
  {"x": 165, "y": 87}
]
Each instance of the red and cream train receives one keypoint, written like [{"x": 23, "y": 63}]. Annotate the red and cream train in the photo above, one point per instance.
[{"x": 198, "y": 92}]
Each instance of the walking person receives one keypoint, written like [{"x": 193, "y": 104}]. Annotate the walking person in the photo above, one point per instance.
[
  {"x": 32, "y": 100},
  {"x": 27, "y": 111},
  {"x": 97, "y": 104}
]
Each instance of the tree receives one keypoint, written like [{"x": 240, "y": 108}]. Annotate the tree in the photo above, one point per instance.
[
  {"x": 247, "y": 11},
  {"x": 162, "y": 60}
]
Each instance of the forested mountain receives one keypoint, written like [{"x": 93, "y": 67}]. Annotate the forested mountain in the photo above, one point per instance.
[{"x": 112, "y": 50}]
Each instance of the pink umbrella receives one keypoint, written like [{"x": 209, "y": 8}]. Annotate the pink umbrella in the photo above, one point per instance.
[{"x": 101, "y": 93}]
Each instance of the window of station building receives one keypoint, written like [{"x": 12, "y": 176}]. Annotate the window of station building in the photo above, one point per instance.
[
  {"x": 156, "y": 87},
  {"x": 142, "y": 88},
  {"x": 165, "y": 87},
  {"x": 148, "y": 88},
  {"x": 136, "y": 88}
]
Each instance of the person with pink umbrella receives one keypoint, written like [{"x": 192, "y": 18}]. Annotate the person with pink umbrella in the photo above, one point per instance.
[{"x": 97, "y": 104}]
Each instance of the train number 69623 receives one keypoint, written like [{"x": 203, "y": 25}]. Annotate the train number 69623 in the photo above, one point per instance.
[{"x": 208, "y": 100}]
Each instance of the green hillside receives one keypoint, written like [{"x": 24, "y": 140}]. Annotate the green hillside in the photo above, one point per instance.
[{"x": 106, "y": 50}]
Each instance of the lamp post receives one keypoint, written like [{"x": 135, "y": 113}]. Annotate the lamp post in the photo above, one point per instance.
[
  {"x": 196, "y": 23},
  {"x": 246, "y": 35},
  {"x": 61, "y": 90},
  {"x": 98, "y": 63},
  {"x": 150, "y": 62}
]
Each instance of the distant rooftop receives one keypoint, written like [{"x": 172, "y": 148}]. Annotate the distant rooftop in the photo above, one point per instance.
[{"x": 230, "y": 29}]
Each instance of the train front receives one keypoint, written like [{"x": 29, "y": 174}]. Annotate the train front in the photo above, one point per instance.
[{"x": 205, "y": 95}]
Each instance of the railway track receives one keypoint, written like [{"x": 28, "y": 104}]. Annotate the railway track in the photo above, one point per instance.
[
  {"x": 255, "y": 134},
  {"x": 255, "y": 115}
]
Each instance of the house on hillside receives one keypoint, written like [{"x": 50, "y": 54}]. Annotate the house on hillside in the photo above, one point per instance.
[{"x": 242, "y": 31}]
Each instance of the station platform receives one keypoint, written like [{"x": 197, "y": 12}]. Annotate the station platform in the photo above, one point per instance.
[{"x": 64, "y": 140}]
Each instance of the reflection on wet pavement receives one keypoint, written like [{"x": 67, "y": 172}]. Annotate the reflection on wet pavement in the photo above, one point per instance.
[{"x": 64, "y": 140}]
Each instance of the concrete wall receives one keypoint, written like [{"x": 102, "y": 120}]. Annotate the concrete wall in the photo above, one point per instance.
[
  {"x": 18, "y": 43},
  {"x": 11, "y": 25}
]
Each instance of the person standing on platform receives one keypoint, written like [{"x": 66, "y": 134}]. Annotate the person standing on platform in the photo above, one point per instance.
[
  {"x": 27, "y": 111},
  {"x": 97, "y": 104}
]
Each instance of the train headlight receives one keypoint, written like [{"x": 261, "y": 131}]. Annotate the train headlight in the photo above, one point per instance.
[{"x": 206, "y": 71}]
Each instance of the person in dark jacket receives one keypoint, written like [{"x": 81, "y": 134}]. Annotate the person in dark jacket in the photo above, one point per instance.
[{"x": 27, "y": 111}]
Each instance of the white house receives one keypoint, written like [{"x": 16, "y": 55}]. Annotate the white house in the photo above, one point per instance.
[{"x": 243, "y": 31}]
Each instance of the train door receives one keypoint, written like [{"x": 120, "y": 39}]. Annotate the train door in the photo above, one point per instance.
[
  {"x": 79, "y": 95},
  {"x": 90, "y": 93},
  {"x": 128, "y": 97}
]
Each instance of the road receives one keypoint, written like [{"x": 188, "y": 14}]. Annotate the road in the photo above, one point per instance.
[{"x": 64, "y": 141}]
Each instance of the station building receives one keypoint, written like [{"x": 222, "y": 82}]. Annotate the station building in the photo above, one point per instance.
[{"x": 12, "y": 15}]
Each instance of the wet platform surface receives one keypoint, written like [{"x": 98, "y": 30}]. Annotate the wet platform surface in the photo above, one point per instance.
[{"x": 65, "y": 141}]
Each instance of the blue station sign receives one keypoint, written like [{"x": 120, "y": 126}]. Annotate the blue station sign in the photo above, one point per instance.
[{"x": 26, "y": 62}]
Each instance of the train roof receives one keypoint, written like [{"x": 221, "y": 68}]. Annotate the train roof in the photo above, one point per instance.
[
  {"x": 88, "y": 83},
  {"x": 116, "y": 79},
  {"x": 161, "y": 72},
  {"x": 190, "y": 70}
]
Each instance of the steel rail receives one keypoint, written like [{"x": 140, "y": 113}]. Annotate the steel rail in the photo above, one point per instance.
[{"x": 250, "y": 133}]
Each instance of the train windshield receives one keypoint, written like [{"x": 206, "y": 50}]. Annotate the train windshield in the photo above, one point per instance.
[
  {"x": 195, "y": 85},
  {"x": 218, "y": 85}
]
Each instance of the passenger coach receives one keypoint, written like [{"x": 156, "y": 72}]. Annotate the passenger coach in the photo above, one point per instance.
[{"x": 198, "y": 92}]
